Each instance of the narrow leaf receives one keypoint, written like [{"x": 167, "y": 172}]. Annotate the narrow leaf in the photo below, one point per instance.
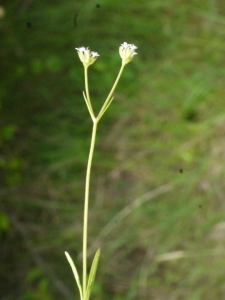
[
  {"x": 88, "y": 105},
  {"x": 92, "y": 273},
  {"x": 75, "y": 273},
  {"x": 104, "y": 108}
]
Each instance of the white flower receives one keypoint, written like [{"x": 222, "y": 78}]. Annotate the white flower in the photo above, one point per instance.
[
  {"x": 127, "y": 52},
  {"x": 86, "y": 56}
]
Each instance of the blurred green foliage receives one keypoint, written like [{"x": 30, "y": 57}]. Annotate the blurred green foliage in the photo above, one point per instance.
[
  {"x": 37, "y": 286},
  {"x": 166, "y": 126}
]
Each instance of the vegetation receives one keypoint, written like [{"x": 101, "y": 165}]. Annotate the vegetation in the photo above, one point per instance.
[{"x": 157, "y": 188}]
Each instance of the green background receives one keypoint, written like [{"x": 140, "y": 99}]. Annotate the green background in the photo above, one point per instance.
[{"x": 157, "y": 208}]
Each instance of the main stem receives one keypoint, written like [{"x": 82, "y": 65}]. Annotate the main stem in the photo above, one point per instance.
[{"x": 86, "y": 202}]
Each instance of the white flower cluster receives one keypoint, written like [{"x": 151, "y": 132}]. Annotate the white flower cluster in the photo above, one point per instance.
[
  {"x": 86, "y": 56},
  {"x": 126, "y": 51}
]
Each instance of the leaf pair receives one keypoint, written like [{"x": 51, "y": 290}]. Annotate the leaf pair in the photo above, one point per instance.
[{"x": 91, "y": 277}]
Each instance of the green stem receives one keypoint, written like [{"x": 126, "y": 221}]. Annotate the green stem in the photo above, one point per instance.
[
  {"x": 87, "y": 184},
  {"x": 87, "y": 91},
  {"x": 86, "y": 201},
  {"x": 103, "y": 109}
]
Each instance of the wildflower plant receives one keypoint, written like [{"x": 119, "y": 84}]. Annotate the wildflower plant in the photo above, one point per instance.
[{"x": 88, "y": 57}]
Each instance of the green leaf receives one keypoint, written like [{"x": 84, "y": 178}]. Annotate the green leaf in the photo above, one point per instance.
[
  {"x": 75, "y": 273},
  {"x": 92, "y": 273}
]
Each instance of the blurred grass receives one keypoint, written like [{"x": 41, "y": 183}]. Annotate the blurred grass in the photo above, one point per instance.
[{"x": 166, "y": 126}]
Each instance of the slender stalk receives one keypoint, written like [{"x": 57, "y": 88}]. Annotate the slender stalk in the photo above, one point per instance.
[
  {"x": 87, "y": 89},
  {"x": 86, "y": 202},
  {"x": 88, "y": 57},
  {"x": 103, "y": 109},
  {"x": 87, "y": 184}
]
